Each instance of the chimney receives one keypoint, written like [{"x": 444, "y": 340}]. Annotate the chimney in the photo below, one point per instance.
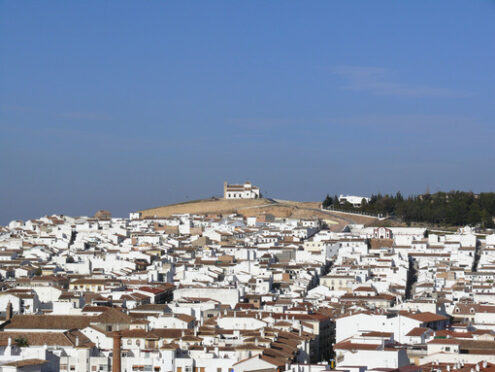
[
  {"x": 77, "y": 341},
  {"x": 8, "y": 312},
  {"x": 116, "y": 359}
]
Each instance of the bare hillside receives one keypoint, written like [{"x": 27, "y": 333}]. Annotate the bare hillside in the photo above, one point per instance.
[
  {"x": 258, "y": 207},
  {"x": 206, "y": 206}
]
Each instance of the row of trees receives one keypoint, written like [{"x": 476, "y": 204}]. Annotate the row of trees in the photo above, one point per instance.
[{"x": 455, "y": 208}]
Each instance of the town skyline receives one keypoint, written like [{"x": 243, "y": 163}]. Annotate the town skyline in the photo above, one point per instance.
[{"x": 123, "y": 211}]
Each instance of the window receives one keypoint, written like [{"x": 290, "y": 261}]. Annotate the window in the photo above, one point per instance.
[
  {"x": 179, "y": 369},
  {"x": 129, "y": 341},
  {"x": 219, "y": 370}
]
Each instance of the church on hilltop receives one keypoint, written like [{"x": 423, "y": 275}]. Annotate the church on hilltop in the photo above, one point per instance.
[{"x": 245, "y": 191}]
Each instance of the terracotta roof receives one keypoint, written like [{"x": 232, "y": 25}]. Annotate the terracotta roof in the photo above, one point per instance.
[
  {"x": 347, "y": 345},
  {"x": 112, "y": 316},
  {"x": 377, "y": 334},
  {"x": 424, "y": 317},
  {"x": 138, "y": 333},
  {"x": 67, "y": 338},
  {"x": 418, "y": 331},
  {"x": 25, "y": 363},
  {"x": 48, "y": 322},
  {"x": 444, "y": 341}
]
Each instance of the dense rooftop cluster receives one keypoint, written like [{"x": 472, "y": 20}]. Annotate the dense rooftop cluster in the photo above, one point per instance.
[{"x": 229, "y": 293}]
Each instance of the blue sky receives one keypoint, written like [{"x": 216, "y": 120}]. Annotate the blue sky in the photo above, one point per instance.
[{"x": 125, "y": 105}]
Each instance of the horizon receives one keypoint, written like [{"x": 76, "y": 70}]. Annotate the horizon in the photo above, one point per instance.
[
  {"x": 125, "y": 105},
  {"x": 219, "y": 197}
]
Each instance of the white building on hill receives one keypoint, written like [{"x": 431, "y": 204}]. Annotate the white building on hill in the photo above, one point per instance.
[
  {"x": 245, "y": 191},
  {"x": 354, "y": 200}
]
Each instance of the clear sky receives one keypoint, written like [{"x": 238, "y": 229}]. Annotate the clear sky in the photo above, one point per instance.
[{"x": 124, "y": 105}]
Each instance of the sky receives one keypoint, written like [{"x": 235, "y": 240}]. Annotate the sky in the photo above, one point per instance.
[{"x": 125, "y": 105}]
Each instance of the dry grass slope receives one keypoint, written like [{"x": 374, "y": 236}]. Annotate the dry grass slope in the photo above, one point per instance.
[
  {"x": 257, "y": 207},
  {"x": 204, "y": 207}
]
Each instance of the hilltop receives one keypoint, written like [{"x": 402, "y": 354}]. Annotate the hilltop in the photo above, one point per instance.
[{"x": 257, "y": 207}]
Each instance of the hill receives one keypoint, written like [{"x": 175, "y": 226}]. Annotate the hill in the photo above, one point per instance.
[
  {"x": 258, "y": 207},
  {"x": 205, "y": 206}
]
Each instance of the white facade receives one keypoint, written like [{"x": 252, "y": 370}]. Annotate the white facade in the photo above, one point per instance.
[
  {"x": 245, "y": 191},
  {"x": 354, "y": 200}
]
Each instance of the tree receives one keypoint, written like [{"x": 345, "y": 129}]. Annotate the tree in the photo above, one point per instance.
[
  {"x": 21, "y": 341},
  {"x": 455, "y": 208},
  {"x": 327, "y": 202},
  {"x": 474, "y": 214},
  {"x": 486, "y": 220}
]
